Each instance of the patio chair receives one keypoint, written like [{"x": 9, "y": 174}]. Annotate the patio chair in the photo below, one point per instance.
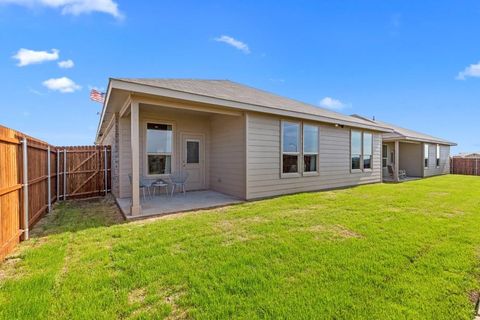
[
  {"x": 178, "y": 179},
  {"x": 402, "y": 174},
  {"x": 143, "y": 186}
]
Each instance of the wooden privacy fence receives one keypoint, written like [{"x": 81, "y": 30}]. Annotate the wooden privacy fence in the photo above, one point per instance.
[
  {"x": 35, "y": 174},
  {"x": 469, "y": 166}
]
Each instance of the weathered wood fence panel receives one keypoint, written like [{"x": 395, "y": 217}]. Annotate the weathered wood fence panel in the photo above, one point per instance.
[
  {"x": 72, "y": 173},
  {"x": 468, "y": 166}
]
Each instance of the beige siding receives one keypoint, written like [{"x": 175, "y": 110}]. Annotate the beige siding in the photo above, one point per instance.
[
  {"x": 184, "y": 122},
  {"x": 263, "y": 166},
  {"x": 125, "y": 154},
  {"x": 227, "y": 155},
  {"x": 444, "y": 167},
  {"x": 411, "y": 159}
]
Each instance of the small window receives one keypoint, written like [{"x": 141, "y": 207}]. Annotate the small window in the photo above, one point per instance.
[
  {"x": 193, "y": 151},
  {"x": 367, "y": 150},
  {"x": 425, "y": 155},
  {"x": 290, "y": 146},
  {"x": 310, "y": 148},
  {"x": 356, "y": 149},
  {"x": 438, "y": 156},
  {"x": 159, "y": 148},
  {"x": 384, "y": 156}
]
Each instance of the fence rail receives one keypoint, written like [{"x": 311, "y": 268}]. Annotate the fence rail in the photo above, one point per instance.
[
  {"x": 467, "y": 166},
  {"x": 35, "y": 174}
]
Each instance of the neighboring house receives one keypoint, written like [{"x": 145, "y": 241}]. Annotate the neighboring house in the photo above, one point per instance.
[
  {"x": 419, "y": 154},
  {"x": 468, "y": 155},
  {"x": 233, "y": 139}
]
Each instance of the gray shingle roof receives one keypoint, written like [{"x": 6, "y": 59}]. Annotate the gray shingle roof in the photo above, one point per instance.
[
  {"x": 232, "y": 91},
  {"x": 403, "y": 133}
]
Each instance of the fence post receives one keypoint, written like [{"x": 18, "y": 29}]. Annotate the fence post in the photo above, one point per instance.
[
  {"x": 106, "y": 171},
  {"x": 25, "y": 189},
  {"x": 58, "y": 174},
  {"x": 49, "y": 186},
  {"x": 64, "y": 174},
  {"x": 476, "y": 166}
]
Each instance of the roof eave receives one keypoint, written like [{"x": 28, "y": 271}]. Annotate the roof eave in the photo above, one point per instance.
[
  {"x": 123, "y": 84},
  {"x": 407, "y": 138}
]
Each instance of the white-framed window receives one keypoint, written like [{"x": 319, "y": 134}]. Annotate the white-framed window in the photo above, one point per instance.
[
  {"x": 310, "y": 149},
  {"x": 290, "y": 147},
  {"x": 356, "y": 149},
  {"x": 425, "y": 155},
  {"x": 384, "y": 156},
  {"x": 438, "y": 156},
  {"x": 361, "y": 151},
  {"x": 159, "y": 141},
  {"x": 367, "y": 151}
]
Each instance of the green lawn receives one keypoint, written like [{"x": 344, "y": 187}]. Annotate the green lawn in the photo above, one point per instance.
[{"x": 384, "y": 251}]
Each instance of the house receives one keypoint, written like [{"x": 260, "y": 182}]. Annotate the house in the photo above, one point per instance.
[
  {"x": 468, "y": 155},
  {"x": 419, "y": 154},
  {"x": 235, "y": 141}
]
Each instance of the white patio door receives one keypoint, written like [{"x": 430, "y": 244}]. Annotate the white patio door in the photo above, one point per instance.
[{"x": 193, "y": 160}]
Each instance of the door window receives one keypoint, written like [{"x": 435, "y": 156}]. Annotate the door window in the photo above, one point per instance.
[{"x": 193, "y": 151}]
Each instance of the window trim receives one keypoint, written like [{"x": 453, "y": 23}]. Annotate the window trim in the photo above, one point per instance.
[
  {"x": 362, "y": 169},
  {"x": 437, "y": 156},
  {"x": 363, "y": 154},
  {"x": 386, "y": 156},
  {"x": 351, "y": 153},
  {"x": 299, "y": 152},
  {"x": 316, "y": 172},
  {"x": 426, "y": 156},
  {"x": 145, "y": 153}
]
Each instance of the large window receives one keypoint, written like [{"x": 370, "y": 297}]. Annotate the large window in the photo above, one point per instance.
[
  {"x": 290, "y": 146},
  {"x": 367, "y": 150},
  {"x": 361, "y": 150},
  {"x": 310, "y": 148},
  {"x": 438, "y": 156},
  {"x": 425, "y": 155},
  {"x": 384, "y": 156},
  {"x": 356, "y": 149},
  {"x": 159, "y": 148}
]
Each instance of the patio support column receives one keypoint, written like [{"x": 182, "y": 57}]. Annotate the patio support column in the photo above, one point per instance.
[
  {"x": 397, "y": 160},
  {"x": 136, "y": 208}
]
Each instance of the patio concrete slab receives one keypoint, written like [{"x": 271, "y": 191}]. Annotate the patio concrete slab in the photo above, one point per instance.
[
  {"x": 164, "y": 204},
  {"x": 390, "y": 179}
]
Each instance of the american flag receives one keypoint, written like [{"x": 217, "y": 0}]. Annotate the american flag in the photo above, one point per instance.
[{"x": 97, "y": 96}]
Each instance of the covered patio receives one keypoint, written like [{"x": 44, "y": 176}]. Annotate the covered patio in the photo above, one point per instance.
[
  {"x": 402, "y": 160},
  {"x": 163, "y": 204},
  {"x": 161, "y": 137}
]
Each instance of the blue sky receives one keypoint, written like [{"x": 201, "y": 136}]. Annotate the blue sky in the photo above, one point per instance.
[{"x": 416, "y": 64}]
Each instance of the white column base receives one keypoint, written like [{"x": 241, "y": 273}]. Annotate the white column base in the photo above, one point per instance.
[{"x": 135, "y": 210}]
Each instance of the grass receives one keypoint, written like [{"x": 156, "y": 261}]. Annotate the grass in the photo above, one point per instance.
[{"x": 385, "y": 251}]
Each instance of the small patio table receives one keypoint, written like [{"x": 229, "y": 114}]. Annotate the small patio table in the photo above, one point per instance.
[{"x": 159, "y": 184}]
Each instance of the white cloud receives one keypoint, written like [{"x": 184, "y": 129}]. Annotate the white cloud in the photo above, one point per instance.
[
  {"x": 234, "y": 43},
  {"x": 66, "y": 64},
  {"x": 331, "y": 103},
  {"x": 64, "y": 85},
  {"x": 472, "y": 70},
  {"x": 27, "y": 56},
  {"x": 73, "y": 7},
  {"x": 38, "y": 93}
]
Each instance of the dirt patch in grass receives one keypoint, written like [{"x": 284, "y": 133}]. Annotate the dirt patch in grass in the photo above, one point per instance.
[
  {"x": 76, "y": 215},
  {"x": 239, "y": 229},
  {"x": 137, "y": 296},
  {"x": 438, "y": 194},
  {"x": 335, "y": 232}
]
